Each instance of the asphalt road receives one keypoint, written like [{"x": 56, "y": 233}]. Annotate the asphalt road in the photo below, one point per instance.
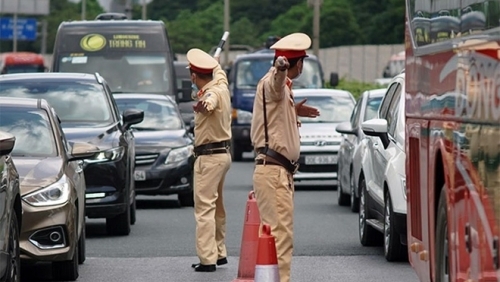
[{"x": 161, "y": 244}]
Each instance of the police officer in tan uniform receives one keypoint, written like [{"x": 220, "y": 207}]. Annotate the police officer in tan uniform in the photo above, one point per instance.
[
  {"x": 212, "y": 133},
  {"x": 275, "y": 137}
]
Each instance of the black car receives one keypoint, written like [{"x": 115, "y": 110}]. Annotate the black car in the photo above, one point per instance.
[
  {"x": 163, "y": 148},
  {"x": 88, "y": 113},
  {"x": 10, "y": 212},
  {"x": 183, "y": 77}
]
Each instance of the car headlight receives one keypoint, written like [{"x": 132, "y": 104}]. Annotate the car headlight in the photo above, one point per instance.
[
  {"x": 403, "y": 183},
  {"x": 179, "y": 154},
  {"x": 107, "y": 155},
  {"x": 54, "y": 194},
  {"x": 243, "y": 117}
]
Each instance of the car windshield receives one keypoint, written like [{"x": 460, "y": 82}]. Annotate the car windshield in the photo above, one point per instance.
[
  {"x": 332, "y": 109},
  {"x": 124, "y": 73},
  {"x": 372, "y": 106},
  {"x": 74, "y": 101},
  {"x": 250, "y": 71},
  {"x": 34, "y": 136},
  {"x": 158, "y": 114}
]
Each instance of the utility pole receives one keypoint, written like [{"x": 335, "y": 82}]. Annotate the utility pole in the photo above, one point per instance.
[
  {"x": 84, "y": 10},
  {"x": 144, "y": 12},
  {"x": 128, "y": 9},
  {"x": 226, "y": 28},
  {"x": 14, "y": 28},
  {"x": 44, "y": 37},
  {"x": 316, "y": 17}
]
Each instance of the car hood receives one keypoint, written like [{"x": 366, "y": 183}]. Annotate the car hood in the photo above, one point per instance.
[
  {"x": 319, "y": 130},
  {"x": 102, "y": 137},
  {"x": 35, "y": 173},
  {"x": 160, "y": 140}
]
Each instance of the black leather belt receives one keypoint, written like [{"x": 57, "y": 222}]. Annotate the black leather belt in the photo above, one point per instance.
[
  {"x": 212, "y": 148},
  {"x": 291, "y": 166}
]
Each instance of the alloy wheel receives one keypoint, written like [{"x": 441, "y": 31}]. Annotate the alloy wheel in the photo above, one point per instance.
[
  {"x": 362, "y": 214},
  {"x": 387, "y": 227}
]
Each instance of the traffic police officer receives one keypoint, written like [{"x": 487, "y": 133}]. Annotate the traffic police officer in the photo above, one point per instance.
[
  {"x": 212, "y": 132},
  {"x": 275, "y": 137}
]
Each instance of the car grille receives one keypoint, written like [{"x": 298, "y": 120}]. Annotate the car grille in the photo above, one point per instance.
[
  {"x": 153, "y": 183},
  {"x": 317, "y": 168},
  {"x": 145, "y": 159}
]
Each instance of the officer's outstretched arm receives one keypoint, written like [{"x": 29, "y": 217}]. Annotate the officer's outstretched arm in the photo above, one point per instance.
[
  {"x": 210, "y": 101},
  {"x": 220, "y": 75},
  {"x": 275, "y": 85}
]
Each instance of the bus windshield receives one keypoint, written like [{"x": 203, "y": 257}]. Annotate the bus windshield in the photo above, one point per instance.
[
  {"x": 23, "y": 69},
  {"x": 250, "y": 71},
  {"x": 146, "y": 73}
]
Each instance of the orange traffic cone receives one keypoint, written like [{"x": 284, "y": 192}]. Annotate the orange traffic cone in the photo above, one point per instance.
[
  {"x": 266, "y": 269},
  {"x": 249, "y": 241}
]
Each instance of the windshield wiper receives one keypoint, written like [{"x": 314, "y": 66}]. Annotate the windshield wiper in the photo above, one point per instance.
[{"x": 145, "y": 128}]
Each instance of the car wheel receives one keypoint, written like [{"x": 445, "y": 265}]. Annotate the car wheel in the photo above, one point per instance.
[
  {"x": 120, "y": 224},
  {"x": 236, "y": 152},
  {"x": 442, "y": 257},
  {"x": 14, "y": 273},
  {"x": 393, "y": 249},
  {"x": 133, "y": 210},
  {"x": 81, "y": 245},
  {"x": 342, "y": 198},
  {"x": 368, "y": 236},
  {"x": 354, "y": 199},
  {"x": 67, "y": 270}
]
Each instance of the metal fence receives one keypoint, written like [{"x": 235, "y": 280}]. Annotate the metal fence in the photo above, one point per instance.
[{"x": 360, "y": 62}]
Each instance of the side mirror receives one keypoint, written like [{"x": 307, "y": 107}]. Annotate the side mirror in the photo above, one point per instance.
[
  {"x": 184, "y": 93},
  {"x": 345, "y": 128},
  {"x": 376, "y": 127},
  {"x": 81, "y": 151},
  {"x": 7, "y": 142},
  {"x": 131, "y": 117},
  {"x": 334, "y": 79}
]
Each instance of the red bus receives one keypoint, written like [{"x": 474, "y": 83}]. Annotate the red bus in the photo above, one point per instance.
[
  {"x": 453, "y": 139},
  {"x": 18, "y": 62}
]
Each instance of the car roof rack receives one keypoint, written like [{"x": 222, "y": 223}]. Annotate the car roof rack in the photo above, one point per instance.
[{"x": 111, "y": 16}]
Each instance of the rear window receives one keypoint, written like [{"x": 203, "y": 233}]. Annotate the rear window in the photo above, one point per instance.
[{"x": 74, "y": 101}]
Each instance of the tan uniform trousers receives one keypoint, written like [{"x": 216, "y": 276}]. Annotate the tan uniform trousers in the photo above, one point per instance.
[
  {"x": 274, "y": 189},
  {"x": 209, "y": 174}
]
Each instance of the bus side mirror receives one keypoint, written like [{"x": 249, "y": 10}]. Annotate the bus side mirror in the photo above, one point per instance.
[
  {"x": 334, "y": 79},
  {"x": 184, "y": 93}
]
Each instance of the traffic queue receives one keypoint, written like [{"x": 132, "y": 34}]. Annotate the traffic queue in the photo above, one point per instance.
[{"x": 83, "y": 140}]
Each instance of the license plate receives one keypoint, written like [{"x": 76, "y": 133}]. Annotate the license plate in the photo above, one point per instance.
[
  {"x": 139, "y": 175},
  {"x": 321, "y": 160}
]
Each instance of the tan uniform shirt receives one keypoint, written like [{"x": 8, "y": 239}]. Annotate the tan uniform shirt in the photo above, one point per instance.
[
  {"x": 282, "y": 125},
  {"x": 215, "y": 125}
]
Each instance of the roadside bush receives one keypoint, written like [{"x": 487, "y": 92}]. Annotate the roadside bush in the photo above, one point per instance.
[{"x": 355, "y": 87}]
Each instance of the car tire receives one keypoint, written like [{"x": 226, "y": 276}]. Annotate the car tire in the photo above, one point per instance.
[
  {"x": 67, "y": 270},
  {"x": 236, "y": 152},
  {"x": 442, "y": 256},
  {"x": 133, "y": 211},
  {"x": 342, "y": 198},
  {"x": 186, "y": 199},
  {"x": 14, "y": 268},
  {"x": 81, "y": 245},
  {"x": 368, "y": 236},
  {"x": 120, "y": 224},
  {"x": 393, "y": 249},
  {"x": 354, "y": 199}
]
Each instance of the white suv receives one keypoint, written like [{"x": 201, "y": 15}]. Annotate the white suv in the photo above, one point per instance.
[{"x": 382, "y": 185}]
